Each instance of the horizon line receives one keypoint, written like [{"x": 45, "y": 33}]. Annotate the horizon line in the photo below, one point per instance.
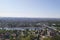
[{"x": 27, "y": 17}]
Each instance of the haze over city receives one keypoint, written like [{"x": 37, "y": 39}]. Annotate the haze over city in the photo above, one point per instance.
[{"x": 30, "y": 8}]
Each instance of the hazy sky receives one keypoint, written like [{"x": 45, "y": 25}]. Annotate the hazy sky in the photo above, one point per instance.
[{"x": 30, "y": 8}]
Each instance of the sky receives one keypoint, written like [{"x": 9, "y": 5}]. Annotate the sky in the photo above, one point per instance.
[{"x": 30, "y": 8}]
